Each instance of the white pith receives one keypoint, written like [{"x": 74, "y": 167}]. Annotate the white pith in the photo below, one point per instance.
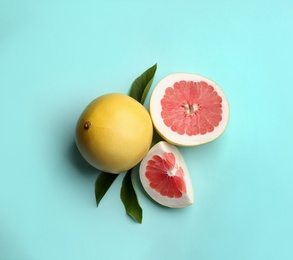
[
  {"x": 174, "y": 137},
  {"x": 173, "y": 171},
  {"x": 159, "y": 149},
  {"x": 190, "y": 109}
]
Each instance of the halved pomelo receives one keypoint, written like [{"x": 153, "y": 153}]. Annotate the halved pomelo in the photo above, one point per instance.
[
  {"x": 189, "y": 109},
  {"x": 164, "y": 176}
]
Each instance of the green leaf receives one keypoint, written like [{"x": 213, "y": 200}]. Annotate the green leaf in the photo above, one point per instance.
[
  {"x": 141, "y": 85},
  {"x": 103, "y": 183},
  {"x": 129, "y": 198}
]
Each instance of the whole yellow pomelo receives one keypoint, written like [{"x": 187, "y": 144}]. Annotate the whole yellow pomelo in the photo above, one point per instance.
[{"x": 114, "y": 133}]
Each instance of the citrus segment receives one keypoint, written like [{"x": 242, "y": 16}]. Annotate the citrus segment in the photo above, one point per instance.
[
  {"x": 164, "y": 176},
  {"x": 188, "y": 109}
]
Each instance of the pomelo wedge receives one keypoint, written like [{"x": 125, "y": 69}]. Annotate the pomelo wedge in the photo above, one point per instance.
[
  {"x": 189, "y": 109},
  {"x": 165, "y": 177}
]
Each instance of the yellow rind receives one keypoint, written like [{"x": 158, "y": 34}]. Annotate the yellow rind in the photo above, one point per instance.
[{"x": 120, "y": 133}]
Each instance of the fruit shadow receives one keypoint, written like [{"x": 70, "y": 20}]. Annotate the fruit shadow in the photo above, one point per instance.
[
  {"x": 79, "y": 163},
  {"x": 156, "y": 137}
]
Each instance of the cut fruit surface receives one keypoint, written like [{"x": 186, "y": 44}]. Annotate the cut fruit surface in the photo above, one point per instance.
[
  {"x": 164, "y": 176},
  {"x": 188, "y": 109}
]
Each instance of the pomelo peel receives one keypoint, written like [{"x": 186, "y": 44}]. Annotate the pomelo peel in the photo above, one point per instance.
[
  {"x": 189, "y": 109},
  {"x": 114, "y": 133}
]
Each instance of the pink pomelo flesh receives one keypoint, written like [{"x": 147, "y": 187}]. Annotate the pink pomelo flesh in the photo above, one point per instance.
[
  {"x": 188, "y": 109},
  {"x": 191, "y": 108},
  {"x": 165, "y": 177}
]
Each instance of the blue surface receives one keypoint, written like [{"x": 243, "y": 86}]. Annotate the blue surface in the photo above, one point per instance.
[{"x": 56, "y": 56}]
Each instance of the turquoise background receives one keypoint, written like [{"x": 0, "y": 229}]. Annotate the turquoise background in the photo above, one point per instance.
[{"x": 56, "y": 56}]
